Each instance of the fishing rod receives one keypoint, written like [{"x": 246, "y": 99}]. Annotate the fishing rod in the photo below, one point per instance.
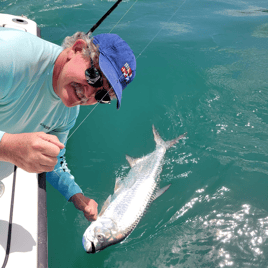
[{"x": 104, "y": 17}]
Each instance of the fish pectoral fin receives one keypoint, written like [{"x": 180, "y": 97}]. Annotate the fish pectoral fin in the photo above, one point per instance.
[
  {"x": 133, "y": 161},
  {"x": 118, "y": 184},
  {"x": 161, "y": 191},
  {"x": 106, "y": 204}
]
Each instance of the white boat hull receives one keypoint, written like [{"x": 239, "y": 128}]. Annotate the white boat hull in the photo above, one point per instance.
[{"x": 23, "y": 228}]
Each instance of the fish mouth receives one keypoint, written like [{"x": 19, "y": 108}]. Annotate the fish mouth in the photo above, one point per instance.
[
  {"x": 88, "y": 245},
  {"x": 90, "y": 249},
  {"x": 93, "y": 248}
]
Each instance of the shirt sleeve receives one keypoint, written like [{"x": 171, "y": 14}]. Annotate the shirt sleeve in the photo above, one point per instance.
[
  {"x": 1, "y": 135},
  {"x": 61, "y": 178}
]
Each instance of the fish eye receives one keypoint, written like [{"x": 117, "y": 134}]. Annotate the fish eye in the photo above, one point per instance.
[{"x": 100, "y": 237}]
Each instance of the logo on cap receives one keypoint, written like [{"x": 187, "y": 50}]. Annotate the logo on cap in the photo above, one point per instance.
[{"x": 127, "y": 72}]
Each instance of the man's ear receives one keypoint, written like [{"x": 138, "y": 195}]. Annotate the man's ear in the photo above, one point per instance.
[{"x": 79, "y": 45}]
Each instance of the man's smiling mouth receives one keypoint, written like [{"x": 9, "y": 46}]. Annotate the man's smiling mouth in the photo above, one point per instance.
[{"x": 79, "y": 91}]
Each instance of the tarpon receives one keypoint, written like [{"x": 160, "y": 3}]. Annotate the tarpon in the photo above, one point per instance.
[{"x": 123, "y": 210}]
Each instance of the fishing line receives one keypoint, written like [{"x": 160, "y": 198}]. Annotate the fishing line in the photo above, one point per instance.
[
  {"x": 124, "y": 15},
  {"x": 161, "y": 29},
  {"x": 96, "y": 105}
]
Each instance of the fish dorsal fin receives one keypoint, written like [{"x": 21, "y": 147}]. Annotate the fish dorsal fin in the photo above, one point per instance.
[
  {"x": 161, "y": 191},
  {"x": 106, "y": 204},
  {"x": 133, "y": 161},
  {"x": 118, "y": 184}
]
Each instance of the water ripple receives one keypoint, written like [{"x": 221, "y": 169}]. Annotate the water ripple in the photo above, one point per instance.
[{"x": 227, "y": 235}]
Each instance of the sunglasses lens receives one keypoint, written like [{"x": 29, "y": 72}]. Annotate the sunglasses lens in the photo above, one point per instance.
[
  {"x": 102, "y": 96},
  {"x": 94, "y": 77}
]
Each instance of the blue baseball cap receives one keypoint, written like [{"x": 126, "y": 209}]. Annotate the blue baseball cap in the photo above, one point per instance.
[{"x": 116, "y": 61}]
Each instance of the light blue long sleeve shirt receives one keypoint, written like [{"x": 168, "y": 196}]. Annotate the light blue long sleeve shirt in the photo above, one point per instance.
[{"x": 28, "y": 102}]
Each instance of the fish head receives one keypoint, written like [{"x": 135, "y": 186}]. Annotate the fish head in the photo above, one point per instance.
[{"x": 100, "y": 234}]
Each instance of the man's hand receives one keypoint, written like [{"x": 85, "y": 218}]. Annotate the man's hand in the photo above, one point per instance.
[
  {"x": 34, "y": 152},
  {"x": 87, "y": 205}
]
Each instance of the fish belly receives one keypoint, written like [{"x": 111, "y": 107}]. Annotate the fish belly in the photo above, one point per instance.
[{"x": 130, "y": 205}]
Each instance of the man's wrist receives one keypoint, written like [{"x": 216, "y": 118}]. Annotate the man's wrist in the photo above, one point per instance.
[
  {"x": 3, "y": 153},
  {"x": 78, "y": 201}
]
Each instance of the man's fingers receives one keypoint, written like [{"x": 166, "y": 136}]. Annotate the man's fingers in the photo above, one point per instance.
[
  {"x": 38, "y": 168},
  {"x": 52, "y": 139},
  {"x": 50, "y": 148},
  {"x": 48, "y": 161},
  {"x": 46, "y": 168},
  {"x": 91, "y": 214},
  {"x": 87, "y": 205},
  {"x": 91, "y": 217}
]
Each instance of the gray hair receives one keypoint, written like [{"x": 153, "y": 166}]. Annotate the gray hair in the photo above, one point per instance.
[{"x": 92, "y": 50}]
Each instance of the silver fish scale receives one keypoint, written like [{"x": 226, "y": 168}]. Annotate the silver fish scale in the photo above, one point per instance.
[{"x": 130, "y": 203}]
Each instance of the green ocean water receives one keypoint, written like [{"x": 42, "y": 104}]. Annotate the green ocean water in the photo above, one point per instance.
[{"x": 202, "y": 69}]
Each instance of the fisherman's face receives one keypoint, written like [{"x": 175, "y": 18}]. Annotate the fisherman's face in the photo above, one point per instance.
[{"x": 72, "y": 86}]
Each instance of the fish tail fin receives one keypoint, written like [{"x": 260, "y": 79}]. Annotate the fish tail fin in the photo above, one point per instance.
[{"x": 166, "y": 144}]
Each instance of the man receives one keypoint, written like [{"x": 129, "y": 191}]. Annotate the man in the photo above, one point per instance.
[{"x": 42, "y": 87}]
